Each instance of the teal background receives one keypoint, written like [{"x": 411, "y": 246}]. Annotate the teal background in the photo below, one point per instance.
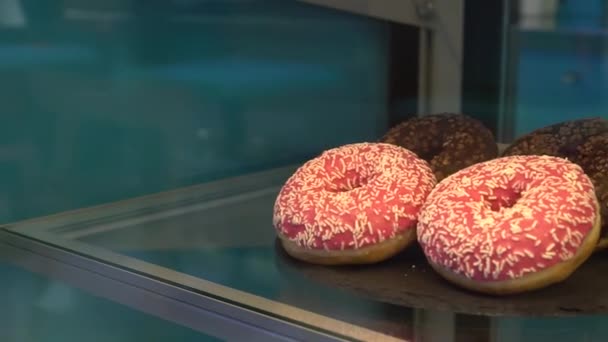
[
  {"x": 107, "y": 100},
  {"x": 560, "y": 75}
]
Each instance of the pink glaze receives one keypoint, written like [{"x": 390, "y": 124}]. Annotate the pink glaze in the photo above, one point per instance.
[
  {"x": 353, "y": 196},
  {"x": 508, "y": 217}
]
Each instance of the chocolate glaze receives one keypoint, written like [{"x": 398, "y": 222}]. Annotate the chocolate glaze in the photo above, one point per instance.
[
  {"x": 583, "y": 141},
  {"x": 448, "y": 142}
]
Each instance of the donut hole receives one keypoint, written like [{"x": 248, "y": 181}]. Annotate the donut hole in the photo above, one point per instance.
[
  {"x": 569, "y": 151},
  {"x": 502, "y": 199},
  {"x": 350, "y": 181},
  {"x": 431, "y": 151}
]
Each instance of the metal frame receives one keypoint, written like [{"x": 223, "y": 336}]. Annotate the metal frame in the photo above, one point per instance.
[
  {"x": 76, "y": 223},
  {"x": 64, "y": 266},
  {"x": 441, "y": 24},
  {"x": 47, "y": 245},
  {"x": 506, "y": 129},
  {"x": 198, "y": 304},
  {"x": 445, "y": 57}
]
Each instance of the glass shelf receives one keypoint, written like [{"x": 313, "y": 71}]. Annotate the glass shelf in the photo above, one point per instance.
[
  {"x": 43, "y": 309},
  {"x": 213, "y": 246},
  {"x": 217, "y": 240}
]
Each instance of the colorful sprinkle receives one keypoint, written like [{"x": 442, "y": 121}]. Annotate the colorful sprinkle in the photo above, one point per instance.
[
  {"x": 353, "y": 196},
  {"x": 523, "y": 213}
]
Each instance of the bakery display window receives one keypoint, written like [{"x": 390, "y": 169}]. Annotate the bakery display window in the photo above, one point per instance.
[{"x": 314, "y": 170}]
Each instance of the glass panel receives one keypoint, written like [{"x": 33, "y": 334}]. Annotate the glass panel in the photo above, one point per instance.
[
  {"x": 583, "y": 328},
  {"x": 38, "y": 309},
  {"x": 556, "y": 64},
  {"x": 233, "y": 244}
]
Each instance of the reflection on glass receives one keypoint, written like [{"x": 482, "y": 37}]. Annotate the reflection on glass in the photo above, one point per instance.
[
  {"x": 233, "y": 244},
  {"x": 38, "y": 309}
]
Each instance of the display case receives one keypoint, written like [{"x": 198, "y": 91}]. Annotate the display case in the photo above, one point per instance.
[{"x": 144, "y": 145}]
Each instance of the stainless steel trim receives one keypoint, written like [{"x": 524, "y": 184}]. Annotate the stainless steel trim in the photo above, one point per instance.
[
  {"x": 434, "y": 326},
  {"x": 186, "y": 314},
  {"x": 155, "y": 289},
  {"x": 441, "y": 44},
  {"x": 424, "y": 70},
  {"x": 425, "y": 9},
  {"x": 506, "y": 114},
  {"x": 65, "y": 222},
  {"x": 400, "y": 11},
  {"x": 446, "y": 57},
  {"x": 54, "y": 233},
  {"x": 49, "y": 238},
  {"x": 181, "y": 210}
]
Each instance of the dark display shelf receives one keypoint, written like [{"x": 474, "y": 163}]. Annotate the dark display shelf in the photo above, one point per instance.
[{"x": 408, "y": 280}]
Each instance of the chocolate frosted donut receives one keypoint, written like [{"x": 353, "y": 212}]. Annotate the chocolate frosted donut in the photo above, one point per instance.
[
  {"x": 592, "y": 156},
  {"x": 448, "y": 142},
  {"x": 560, "y": 140},
  {"x": 584, "y": 142},
  {"x": 601, "y": 190}
]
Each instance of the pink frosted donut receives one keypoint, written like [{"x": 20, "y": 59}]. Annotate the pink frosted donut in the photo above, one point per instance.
[
  {"x": 355, "y": 204},
  {"x": 511, "y": 224}
]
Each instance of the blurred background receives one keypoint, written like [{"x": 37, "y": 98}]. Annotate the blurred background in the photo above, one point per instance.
[{"x": 104, "y": 100}]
